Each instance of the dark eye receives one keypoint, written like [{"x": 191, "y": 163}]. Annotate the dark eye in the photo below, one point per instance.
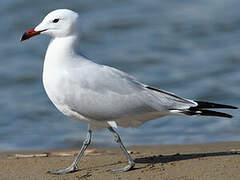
[{"x": 55, "y": 20}]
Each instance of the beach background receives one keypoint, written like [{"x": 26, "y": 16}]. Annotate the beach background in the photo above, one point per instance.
[{"x": 191, "y": 48}]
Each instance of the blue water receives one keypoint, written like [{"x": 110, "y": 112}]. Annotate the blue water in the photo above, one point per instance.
[{"x": 188, "y": 47}]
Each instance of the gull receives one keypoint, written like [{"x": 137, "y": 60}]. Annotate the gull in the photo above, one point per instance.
[{"x": 102, "y": 96}]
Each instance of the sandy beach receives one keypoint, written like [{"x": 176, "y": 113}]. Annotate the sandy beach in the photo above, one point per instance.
[{"x": 201, "y": 161}]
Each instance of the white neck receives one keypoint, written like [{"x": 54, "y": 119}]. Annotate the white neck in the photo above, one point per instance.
[{"x": 62, "y": 47}]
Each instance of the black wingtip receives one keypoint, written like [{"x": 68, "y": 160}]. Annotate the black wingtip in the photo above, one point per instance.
[
  {"x": 207, "y": 113},
  {"x": 202, "y": 109},
  {"x": 215, "y": 113},
  {"x": 207, "y": 105}
]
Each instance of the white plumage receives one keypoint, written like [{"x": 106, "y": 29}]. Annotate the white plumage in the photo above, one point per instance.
[
  {"x": 102, "y": 96},
  {"x": 96, "y": 93}
]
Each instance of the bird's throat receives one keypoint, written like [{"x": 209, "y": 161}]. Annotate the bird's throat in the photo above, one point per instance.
[{"x": 62, "y": 47}]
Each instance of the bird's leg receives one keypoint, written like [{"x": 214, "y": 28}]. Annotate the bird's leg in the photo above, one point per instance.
[
  {"x": 117, "y": 139},
  {"x": 74, "y": 167}
]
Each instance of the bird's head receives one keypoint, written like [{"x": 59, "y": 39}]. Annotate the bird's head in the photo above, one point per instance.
[{"x": 58, "y": 23}]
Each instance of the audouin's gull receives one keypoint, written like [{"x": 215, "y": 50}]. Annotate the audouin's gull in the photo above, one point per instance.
[{"x": 99, "y": 95}]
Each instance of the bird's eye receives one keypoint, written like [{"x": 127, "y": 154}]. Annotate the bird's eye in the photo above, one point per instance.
[{"x": 55, "y": 20}]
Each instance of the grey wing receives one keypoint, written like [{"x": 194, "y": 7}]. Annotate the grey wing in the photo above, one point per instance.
[{"x": 112, "y": 95}]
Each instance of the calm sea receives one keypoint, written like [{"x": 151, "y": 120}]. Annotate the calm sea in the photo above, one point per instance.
[{"x": 188, "y": 47}]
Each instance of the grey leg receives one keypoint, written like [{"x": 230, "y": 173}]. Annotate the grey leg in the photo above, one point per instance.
[
  {"x": 117, "y": 139},
  {"x": 74, "y": 167}
]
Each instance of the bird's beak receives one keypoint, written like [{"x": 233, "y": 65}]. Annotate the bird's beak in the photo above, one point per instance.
[{"x": 30, "y": 33}]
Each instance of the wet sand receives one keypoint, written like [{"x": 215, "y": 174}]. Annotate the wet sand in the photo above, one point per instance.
[{"x": 218, "y": 161}]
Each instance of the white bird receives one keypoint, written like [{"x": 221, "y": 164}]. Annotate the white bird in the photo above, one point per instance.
[{"x": 99, "y": 95}]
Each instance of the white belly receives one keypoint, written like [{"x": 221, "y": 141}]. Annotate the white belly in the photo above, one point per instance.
[{"x": 57, "y": 85}]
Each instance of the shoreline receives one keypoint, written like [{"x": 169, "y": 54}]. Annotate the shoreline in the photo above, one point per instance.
[{"x": 191, "y": 161}]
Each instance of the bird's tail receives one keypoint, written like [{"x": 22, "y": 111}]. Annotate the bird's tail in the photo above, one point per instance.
[{"x": 202, "y": 109}]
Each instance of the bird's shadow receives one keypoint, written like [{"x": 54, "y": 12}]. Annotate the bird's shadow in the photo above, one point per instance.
[
  {"x": 155, "y": 159},
  {"x": 179, "y": 157}
]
